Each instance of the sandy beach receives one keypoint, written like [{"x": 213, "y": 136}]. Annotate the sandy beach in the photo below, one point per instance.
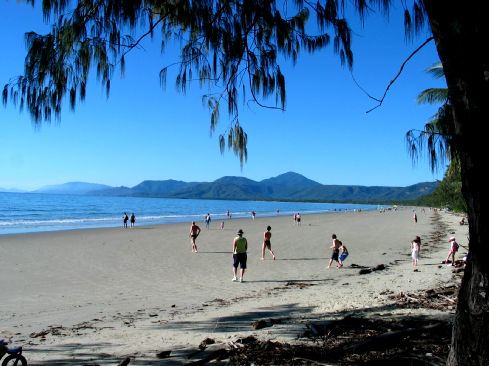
[{"x": 98, "y": 296}]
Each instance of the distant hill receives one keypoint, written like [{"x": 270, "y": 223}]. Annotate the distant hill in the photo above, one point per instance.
[
  {"x": 72, "y": 188},
  {"x": 288, "y": 186},
  {"x": 12, "y": 190}
]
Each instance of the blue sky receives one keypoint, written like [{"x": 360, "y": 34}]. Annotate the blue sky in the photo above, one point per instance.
[{"x": 143, "y": 132}]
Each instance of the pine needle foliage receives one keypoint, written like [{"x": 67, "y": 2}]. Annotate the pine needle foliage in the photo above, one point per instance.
[{"x": 229, "y": 45}]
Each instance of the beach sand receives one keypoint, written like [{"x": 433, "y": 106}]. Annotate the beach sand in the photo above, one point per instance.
[{"x": 102, "y": 295}]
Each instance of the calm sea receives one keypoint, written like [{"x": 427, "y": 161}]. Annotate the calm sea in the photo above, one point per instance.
[{"x": 31, "y": 212}]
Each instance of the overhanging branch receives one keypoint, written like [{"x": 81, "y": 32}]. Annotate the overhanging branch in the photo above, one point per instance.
[{"x": 381, "y": 100}]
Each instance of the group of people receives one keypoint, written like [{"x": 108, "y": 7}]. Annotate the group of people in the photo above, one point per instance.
[
  {"x": 449, "y": 261},
  {"x": 125, "y": 219},
  {"x": 339, "y": 253},
  {"x": 239, "y": 249},
  {"x": 297, "y": 219}
]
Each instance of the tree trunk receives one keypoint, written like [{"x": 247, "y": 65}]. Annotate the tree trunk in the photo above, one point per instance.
[{"x": 461, "y": 32}]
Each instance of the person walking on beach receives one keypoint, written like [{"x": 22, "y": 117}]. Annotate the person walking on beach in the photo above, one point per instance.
[
  {"x": 253, "y": 214},
  {"x": 415, "y": 218},
  {"x": 125, "y": 219},
  {"x": 298, "y": 219},
  {"x": 267, "y": 235},
  {"x": 336, "y": 251},
  {"x": 240, "y": 246},
  {"x": 207, "y": 220},
  {"x": 343, "y": 254},
  {"x": 133, "y": 219},
  {"x": 453, "y": 249},
  {"x": 415, "y": 248},
  {"x": 194, "y": 233}
]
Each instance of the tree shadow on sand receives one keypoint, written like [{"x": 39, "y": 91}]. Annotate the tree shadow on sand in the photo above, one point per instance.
[
  {"x": 366, "y": 336},
  {"x": 374, "y": 336}
]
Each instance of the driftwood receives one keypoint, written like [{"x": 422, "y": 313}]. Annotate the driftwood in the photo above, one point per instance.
[
  {"x": 367, "y": 270},
  {"x": 125, "y": 362},
  {"x": 163, "y": 354},
  {"x": 203, "y": 345},
  {"x": 386, "y": 340},
  {"x": 438, "y": 299},
  {"x": 220, "y": 353},
  {"x": 308, "y": 360},
  {"x": 409, "y": 298},
  {"x": 260, "y": 324}
]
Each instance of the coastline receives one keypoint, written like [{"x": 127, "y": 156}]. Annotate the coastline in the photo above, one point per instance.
[
  {"x": 132, "y": 292},
  {"x": 47, "y": 213}
]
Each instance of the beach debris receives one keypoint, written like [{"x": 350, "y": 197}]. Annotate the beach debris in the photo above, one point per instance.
[
  {"x": 42, "y": 334},
  {"x": 163, "y": 354},
  {"x": 354, "y": 340},
  {"x": 297, "y": 284},
  {"x": 217, "y": 355},
  {"x": 265, "y": 323},
  {"x": 203, "y": 345},
  {"x": 389, "y": 339},
  {"x": 260, "y": 324},
  {"x": 319, "y": 329},
  {"x": 439, "y": 299},
  {"x": 365, "y": 271},
  {"x": 246, "y": 340},
  {"x": 125, "y": 362},
  {"x": 55, "y": 330}
]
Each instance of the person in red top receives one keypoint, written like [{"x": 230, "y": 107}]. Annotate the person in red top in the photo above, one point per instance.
[
  {"x": 453, "y": 249},
  {"x": 267, "y": 235}
]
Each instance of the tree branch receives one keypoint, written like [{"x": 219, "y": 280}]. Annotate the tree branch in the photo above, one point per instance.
[{"x": 381, "y": 100}]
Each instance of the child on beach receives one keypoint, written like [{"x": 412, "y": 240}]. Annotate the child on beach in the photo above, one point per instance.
[
  {"x": 344, "y": 253},
  {"x": 267, "y": 235},
  {"x": 415, "y": 247},
  {"x": 453, "y": 249}
]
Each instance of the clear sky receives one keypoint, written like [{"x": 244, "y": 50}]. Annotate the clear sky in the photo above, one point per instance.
[{"x": 143, "y": 132}]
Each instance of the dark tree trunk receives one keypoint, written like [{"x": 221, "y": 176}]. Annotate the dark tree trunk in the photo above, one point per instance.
[{"x": 461, "y": 31}]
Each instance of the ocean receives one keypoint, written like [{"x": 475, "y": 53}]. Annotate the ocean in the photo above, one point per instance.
[{"x": 34, "y": 212}]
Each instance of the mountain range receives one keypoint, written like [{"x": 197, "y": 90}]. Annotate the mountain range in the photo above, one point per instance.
[{"x": 289, "y": 186}]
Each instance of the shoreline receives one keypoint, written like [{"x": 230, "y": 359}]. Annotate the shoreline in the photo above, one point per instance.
[
  {"x": 124, "y": 283},
  {"x": 169, "y": 219}
]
